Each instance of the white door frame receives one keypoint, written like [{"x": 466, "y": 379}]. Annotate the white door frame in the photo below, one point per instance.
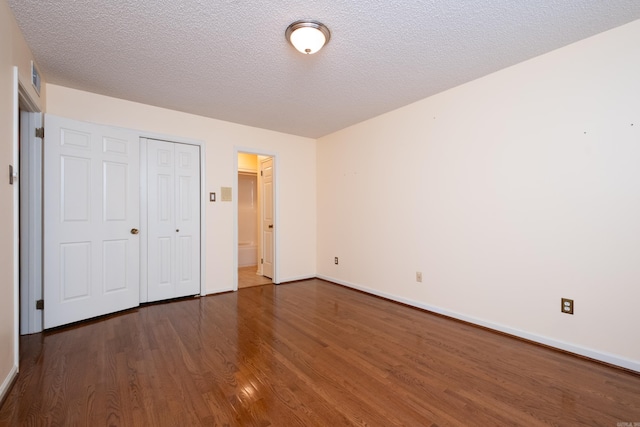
[
  {"x": 16, "y": 232},
  {"x": 274, "y": 155},
  {"x": 28, "y": 244},
  {"x": 31, "y": 150},
  {"x": 144, "y": 226}
]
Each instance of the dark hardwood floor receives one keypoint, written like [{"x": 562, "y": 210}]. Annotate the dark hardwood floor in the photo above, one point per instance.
[{"x": 306, "y": 353}]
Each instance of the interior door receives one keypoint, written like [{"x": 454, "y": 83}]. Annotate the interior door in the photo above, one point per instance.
[
  {"x": 173, "y": 218},
  {"x": 266, "y": 171},
  {"x": 91, "y": 206}
]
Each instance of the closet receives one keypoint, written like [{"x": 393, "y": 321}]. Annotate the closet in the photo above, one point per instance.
[
  {"x": 121, "y": 221},
  {"x": 173, "y": 219}
]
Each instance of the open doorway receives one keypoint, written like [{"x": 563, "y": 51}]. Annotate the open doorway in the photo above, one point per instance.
[{"x": 255, "y": 210}]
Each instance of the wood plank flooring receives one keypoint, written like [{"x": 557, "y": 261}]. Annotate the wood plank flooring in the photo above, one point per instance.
[
  {"x": 247, "y": 278},
  {"x": 304, "y": 354}
]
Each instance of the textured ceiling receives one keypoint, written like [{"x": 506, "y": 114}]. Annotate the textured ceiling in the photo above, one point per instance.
[{"x": 228, "y": 59}]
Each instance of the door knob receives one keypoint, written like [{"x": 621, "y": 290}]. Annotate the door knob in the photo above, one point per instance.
[
  {"x": 177, "y": 230},
  {"x": 134, "y": 231},
  {"x": 270, "y": 225}
]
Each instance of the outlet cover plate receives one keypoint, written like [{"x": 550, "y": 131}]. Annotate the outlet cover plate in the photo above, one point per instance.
[{"x": 567, "y": 306}]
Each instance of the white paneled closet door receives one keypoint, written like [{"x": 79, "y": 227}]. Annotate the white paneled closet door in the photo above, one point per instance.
[
  {"x": 173, "y": 220},
  {"x": 91, "y": 217}
]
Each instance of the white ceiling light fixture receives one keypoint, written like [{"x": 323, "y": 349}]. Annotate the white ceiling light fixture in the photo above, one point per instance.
[{"x": 307, "y": 36}]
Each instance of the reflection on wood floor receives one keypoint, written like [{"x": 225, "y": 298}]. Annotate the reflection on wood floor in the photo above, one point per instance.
[
  {"x": 248, "y": 278},
  {"x": 309, "y": 353}
]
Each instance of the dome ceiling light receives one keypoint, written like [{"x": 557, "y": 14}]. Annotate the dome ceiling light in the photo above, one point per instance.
[{"x": 307, "y": 36}]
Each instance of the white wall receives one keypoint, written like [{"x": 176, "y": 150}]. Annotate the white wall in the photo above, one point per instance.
[
  {"x": 508, "y": 193},
  {"x": 296, "y": 176},
  {"x": 14, "y": 52}
]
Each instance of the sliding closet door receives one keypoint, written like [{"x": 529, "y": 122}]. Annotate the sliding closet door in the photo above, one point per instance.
[{"x": 173, "y": 218}]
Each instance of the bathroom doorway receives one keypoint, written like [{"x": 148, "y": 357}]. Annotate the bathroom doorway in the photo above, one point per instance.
[{"x": 253, "y": 247}]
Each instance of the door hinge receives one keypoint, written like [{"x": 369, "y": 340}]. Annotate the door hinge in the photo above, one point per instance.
[
  {"x": 261, "y": 260},
  {"x": 40, "y": 304},
  {"x": 40, "y": 132},
  {"x": 12, "y": 175},
  {"x": 261, "y": 174}
]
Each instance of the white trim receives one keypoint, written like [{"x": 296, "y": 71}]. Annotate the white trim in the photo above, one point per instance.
[
  {"x": 204, "y": 199},
  {"x": 30, "y": 222},
  {"x": 25, "y": 227},
  {"x": 222, "y": 291},
  {"x": 541, "y": 339},
  {"x": 235, "y": 222},
  {"x": 274, "y": 155},
  {"x": 298, "y": 278},
  {"x": 16, "y": 223},
  {"x": 30, "y": 228},
  {"x": 25, "y": 100},
  {"x": 6, "y": 384},
  {"x": 259, "y": 230}
]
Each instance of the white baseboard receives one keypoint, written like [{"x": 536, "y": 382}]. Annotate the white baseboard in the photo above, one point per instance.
[
  {"x": 6, "y": 384},
  {"x": 219, "y": 291},
  {"x": 551, "y": 342},
  {"x": 295, "y": 279}
]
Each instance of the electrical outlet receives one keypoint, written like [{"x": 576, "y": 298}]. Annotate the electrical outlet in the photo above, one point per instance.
[
  {"x": 419, "y": 276},
  {"x": 335, "y": 260},
  {"x": 567, "y": 306}
]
